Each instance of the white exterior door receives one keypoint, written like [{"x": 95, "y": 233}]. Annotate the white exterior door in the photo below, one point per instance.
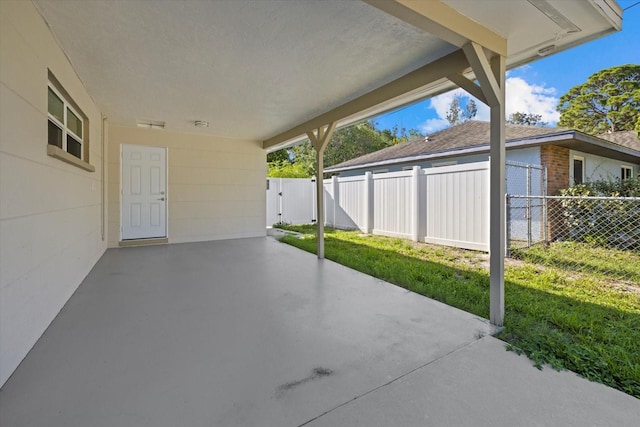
[{"x": 144, "y": 192}]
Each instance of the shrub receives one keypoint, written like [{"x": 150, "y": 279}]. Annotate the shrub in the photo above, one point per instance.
[{"x": 614, "y": 223}]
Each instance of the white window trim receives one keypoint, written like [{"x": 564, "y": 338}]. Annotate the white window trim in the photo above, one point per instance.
[
  {"x": 62, "y": 153},
  {"x": 380, "y": 170},
  {"x": 629, "y": 168},
  {"x": 65, "y": 130},
  {"x": 584, "y": 169}
]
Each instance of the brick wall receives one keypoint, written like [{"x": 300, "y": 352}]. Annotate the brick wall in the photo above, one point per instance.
[{"x": 556, "y": 160}]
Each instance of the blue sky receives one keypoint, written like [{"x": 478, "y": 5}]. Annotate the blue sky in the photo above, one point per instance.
[{"x": 536, "y": 87}]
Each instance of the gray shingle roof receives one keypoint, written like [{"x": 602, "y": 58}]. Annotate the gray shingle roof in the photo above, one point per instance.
[
  {"x": 627, "y": 139},
  {"x": 469, "y": 134}
]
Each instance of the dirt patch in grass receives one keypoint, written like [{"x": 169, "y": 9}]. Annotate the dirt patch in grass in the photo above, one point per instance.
[{"x": 633, "y": 288}]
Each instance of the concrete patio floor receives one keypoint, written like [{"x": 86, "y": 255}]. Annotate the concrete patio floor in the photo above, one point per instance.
[{"x": 253, "y": 332}]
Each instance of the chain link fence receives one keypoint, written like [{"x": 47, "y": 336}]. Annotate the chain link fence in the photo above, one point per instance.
[
  {"x": 526, "y": 213},
  {"x": 591, "y": 235},
  {"x": 524, "y": 179}
]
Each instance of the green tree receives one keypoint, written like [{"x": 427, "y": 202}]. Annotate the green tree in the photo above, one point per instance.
[
  {"x": 529, "y": 119},
  {"x": 457, "y": 115},
  {"x": 279, "y": 156},
  {"x": 608, "y": 101},
  {"x": 347, "y": 143},
  {"x": 286, "y": 169},
  {"x": 305, "y": 156},
  {"x": 351, "y": 142},
  {"x": 354, "y": 141},
  {"x": 397, "y": 134}
]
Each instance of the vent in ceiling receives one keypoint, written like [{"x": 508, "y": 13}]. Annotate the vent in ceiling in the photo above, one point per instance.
[{"x": 150, "y": 124}]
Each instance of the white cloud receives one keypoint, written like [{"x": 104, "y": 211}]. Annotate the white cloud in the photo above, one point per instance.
[
  {"x": 520, "y": 97},
  {"x": 433, "y": 125},
  {"x": 441, "y": 103},
  {"x": 534, "y": 99}
]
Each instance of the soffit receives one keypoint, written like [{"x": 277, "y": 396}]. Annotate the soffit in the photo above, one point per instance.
[
  {"x": 527, "y": 28},
  {"x": 250, "y": 68},
  {"x": 256, "y": 68}
]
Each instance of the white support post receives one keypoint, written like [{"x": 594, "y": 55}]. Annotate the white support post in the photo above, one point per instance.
[
  {"x": 490, "y": 73},
  {"x": 497, "y": 221},
  {"x": 415, "y": 212},
  {"x": 319, "y": 141},
  {"x": 368, "y": 202}
]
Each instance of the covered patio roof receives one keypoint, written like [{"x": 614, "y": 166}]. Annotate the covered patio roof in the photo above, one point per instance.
[
  {"x": 254, "y": 332},
  {"x": 280, "y": 71},
  {"x": 258, "y": 69}
]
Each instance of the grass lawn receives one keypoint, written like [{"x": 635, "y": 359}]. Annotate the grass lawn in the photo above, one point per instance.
[{"x": 585, "y": 322}]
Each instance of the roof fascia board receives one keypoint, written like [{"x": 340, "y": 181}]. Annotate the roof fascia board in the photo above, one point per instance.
[
  {"x": 603, "y": 143},
  {"x": 476, "y": 149},
  {"x": 574, "y": 135},
  {"x": 611, "y": 11},
  {"x": 569, "y": 135},
  {"x": 443, "y": 21},
  {"x": 453, "y": 63}
]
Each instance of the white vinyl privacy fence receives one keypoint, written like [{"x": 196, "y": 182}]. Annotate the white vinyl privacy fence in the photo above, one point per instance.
[
  {"x": 446, "y": 205},
  {"x": 291, "y": 201}
]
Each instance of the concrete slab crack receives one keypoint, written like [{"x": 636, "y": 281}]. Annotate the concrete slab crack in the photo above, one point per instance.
[{"x": 389, "y": 382}]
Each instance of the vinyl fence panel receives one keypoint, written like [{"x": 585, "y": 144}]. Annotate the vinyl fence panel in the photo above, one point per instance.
[
  {"x": 274, "y": 210},
  {"x": 349, "y": 205},
  {"x": 457, "y": 205},
  {"x": 298, "y": 200},
  {"x": 329, "y": 204},
  {"x": 291, "y": 201},
  {"x": 446, "y": 205},
  {"x": 393, "y": 204}
]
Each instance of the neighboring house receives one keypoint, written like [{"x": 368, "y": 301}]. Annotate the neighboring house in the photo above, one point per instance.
[{"x": 568, "y": 155}]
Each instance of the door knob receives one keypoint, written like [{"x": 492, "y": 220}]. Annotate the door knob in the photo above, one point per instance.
[{"x": 161, "y": 198}]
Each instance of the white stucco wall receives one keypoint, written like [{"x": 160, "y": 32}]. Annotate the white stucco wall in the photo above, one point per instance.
[
  {"x": 216, "y": 186},
  {"x": 598, "y": 168},
  {"x": 50, "y": 211}
]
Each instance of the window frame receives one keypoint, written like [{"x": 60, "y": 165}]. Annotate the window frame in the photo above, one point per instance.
[
  {"x": 629, "y": 172},
  {"x": 68, "y": 105},
  {"x": 582, "y": 170}
]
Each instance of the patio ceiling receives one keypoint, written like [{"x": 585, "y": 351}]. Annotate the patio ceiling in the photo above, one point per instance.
[{"x": 256, "y": 69}]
